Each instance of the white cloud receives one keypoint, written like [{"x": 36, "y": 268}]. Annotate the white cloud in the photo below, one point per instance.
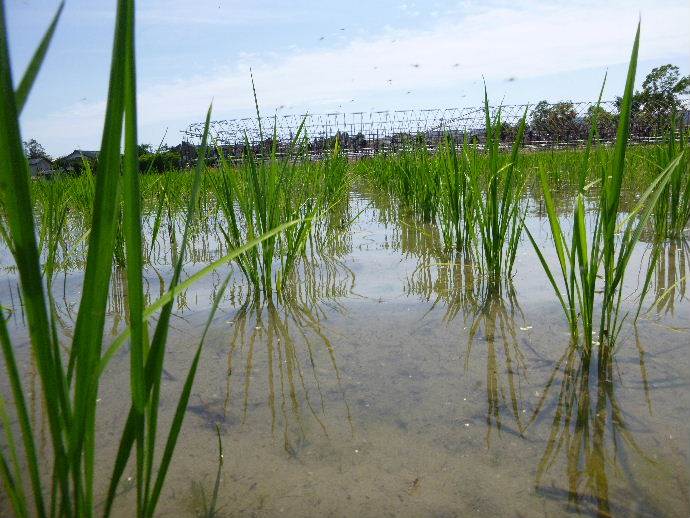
[{"x": 520, "y": 39}]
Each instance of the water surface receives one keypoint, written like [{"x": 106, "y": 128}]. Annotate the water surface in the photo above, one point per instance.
[{"x": 386, "y": 382}]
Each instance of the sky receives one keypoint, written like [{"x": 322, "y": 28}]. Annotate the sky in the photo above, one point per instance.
[{"x": 309, "y": 56}]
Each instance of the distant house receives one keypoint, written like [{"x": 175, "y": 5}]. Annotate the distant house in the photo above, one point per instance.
[
  {"x": 75, "y": 160},
  {"x": 40, "y": 166}
]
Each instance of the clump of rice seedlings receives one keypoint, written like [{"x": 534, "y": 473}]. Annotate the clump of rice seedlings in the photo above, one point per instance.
[
  {"x": 257, "y": 197},
  {"x": 52, "y": 218},
  {"x": 497, "y": 207},
  {"x": 457, "y": 212},
  {"x": 411, "y": 175},
  {"x": 61, "y": 482},
  {"x": 418, "y": 181},
  {"x": 672, "y": 211},
  {"x": 263, "y": 193},
  {"x": 593, "y": 266}
]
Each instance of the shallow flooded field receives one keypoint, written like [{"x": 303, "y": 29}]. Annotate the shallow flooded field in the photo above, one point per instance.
[{"x": 387, "y": 381}]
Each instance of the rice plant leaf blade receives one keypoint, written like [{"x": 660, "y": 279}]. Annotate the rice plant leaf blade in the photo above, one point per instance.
[
  {"x": 181, "y": 409},
  {"x": 90, "y": 322},
  {"x": 184, "y": 285},
  {"x": 14, "y": 178},
  {"x": 22, "y": 414},
  {"x": 132, "y": 223}
]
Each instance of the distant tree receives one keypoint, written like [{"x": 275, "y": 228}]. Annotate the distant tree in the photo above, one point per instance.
[
  {"x": 660, "y": 97},
  {"x": 359, "y": 141},
  {"x": 607, "y": 122},
  {"x": 143, "y": 149},
  {"x": 33, "y": 149},
  {"x": 555, "y": 121},
  {"x": 159, "y": 162},
  {"x": 509, "y": 132}
]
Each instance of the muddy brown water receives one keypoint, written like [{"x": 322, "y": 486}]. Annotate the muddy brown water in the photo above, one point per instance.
[{"x": 387, "y": 384}]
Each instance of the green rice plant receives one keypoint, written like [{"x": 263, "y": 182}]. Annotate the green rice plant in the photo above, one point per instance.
[
  {"x": 262, "y": 193},
  {"x": 256, "y": 198},
  {"x": 412, "y": 176},
  {"x": 595, "y": 262},
  {"x": 52, "y": 218},
  {"x": 457, "y": 212},
  {"x": 497, "y": 208},
  {"x": 418, "y": 180},
  {"x": 672, "y": 212},
  {"x": 63, "y": 484}
]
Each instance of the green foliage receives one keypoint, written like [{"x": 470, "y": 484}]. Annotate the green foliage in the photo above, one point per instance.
[
  {"x": 606, "y": 122},
  {"x": 159, "y": 162},
  {"x": 673, "y": 209},
  {"x": 556, "y": 122},
  {"x": 660, "y": 97},
  {"x": 259, "y": 195},
  {"x": 33, "y": 149}
]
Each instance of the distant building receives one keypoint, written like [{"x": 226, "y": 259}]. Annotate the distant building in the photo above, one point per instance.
[
  {"x": 40, "y": 166},
  {"x": 75, "y": 160}
]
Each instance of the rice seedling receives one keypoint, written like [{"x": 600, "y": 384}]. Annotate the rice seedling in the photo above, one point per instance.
[
  {"x": 603, "y": 249},
  {"x": 672, "y": 211},
  {"x": 497, "y": 208},
  {"x": 64, "y": 484},
  {"x": 457, "y": 218},
  {"x": 262, "y": 193},
  {"x": 256, "y": 198}
]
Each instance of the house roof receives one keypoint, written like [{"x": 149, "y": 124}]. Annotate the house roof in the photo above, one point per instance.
[
  {"x": 80, "y": 153},
  {"x": 38, "y": 160}
]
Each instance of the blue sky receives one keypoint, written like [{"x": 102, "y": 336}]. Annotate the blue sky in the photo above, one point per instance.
[{"x": 315, "y": 57}]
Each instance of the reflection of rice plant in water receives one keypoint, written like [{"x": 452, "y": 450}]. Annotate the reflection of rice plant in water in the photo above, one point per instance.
[
  {"x": 64, "y": 483},
  {"x": 295, "y": 343},
  {"x": 604, "y": 249},
  {"x": 495, "y": 319},
  {"x": 668, "y": 266},
  {"x": 587, "y": 417}
]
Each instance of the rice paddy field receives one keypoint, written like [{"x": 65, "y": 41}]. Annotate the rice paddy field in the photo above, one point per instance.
[{"x": 470, "y": 330}]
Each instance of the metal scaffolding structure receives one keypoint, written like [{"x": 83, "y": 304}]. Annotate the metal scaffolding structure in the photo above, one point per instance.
[{"x": 548, "y": 125}]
